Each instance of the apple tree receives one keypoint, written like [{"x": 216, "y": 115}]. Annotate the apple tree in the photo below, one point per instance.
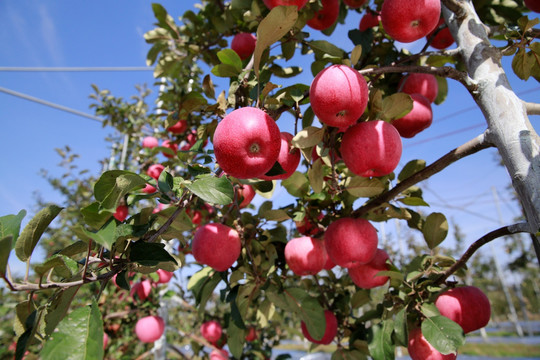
[{"x": 250, "y": 117}]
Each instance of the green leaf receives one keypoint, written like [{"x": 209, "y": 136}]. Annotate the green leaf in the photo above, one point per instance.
[
  {"x": 32, "y": 232},
  {"x": 180, "y": 224},
  {"x": 316, "y": 176},
  {"x": 104, "y": 236},
  {"x": 348, "y": 354},
  {"x": 113, "y": 185},
  {"x": 93, "y": 217},
  {"x": 297, "y": 185},
  {"x": 435, "y": 229},
  {"x": 214, "y": 190},
  {"x": 225, "y": 71},
  {"x": 430, "y": 310},
  {"x": 273, "y": 27},
  {"x": 5, "y": 250},
  {"x": 413, "y": 201},
  {"x": 364, "y": 187},
  {"x": 443, "y": 334},
  {"x": 356, "y": 54},
  {"x": 275, "y": 215},
  {"x": 308, "y": 137},
  {"x": 361, "y": 297},
  {"x": 276, "y": 169},
  {"x": 79, "y": 336},
  {"x": 522, "y": 64},
  {"x": 396, "y": 106},
  {"x": 400, "y": 328},
  {"x": 287, "y": 49},
  {"x": 380, "y": 341},
  {"x": 323, "y": 47},
  {"x": 10, "y": 225},
  {"x": 149, "y": 254},
  {"x": 208, "y": 87},
  {"x": 443, "y": 90},
  {"x": 235, "y": 339},
  {"x": 58, "y": 308},
  {"x": 309, "y": 310},
  {"x": 411, "y": 168},
  {"x": 230, "y": 57},
  {"x": 63, "y": 265},
  {"x": 202, "y": 285}
]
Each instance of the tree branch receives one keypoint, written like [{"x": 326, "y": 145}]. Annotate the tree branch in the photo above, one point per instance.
[
  {"x": 503, "y": 231},
  {"x": 532, "y": 108},
  {"x": 469, "y": 148}
]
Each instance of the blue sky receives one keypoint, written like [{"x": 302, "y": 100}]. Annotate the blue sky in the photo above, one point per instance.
[{"x": 110, "y": 34}]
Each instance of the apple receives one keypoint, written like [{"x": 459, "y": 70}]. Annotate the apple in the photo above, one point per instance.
[
  {"x": 326, "y": 17},
  {"x": 329, "y": 332},
  {"x": 338, "y": 95},
  {"x": 369, "y": 20},
  {"x": 350, "y": 242},
  {"x": 245, "y": 194},
  {"x": 216, "y": 245},
  {"x": 420, "y": 349},
  {"x": 149, "y": 189},
  {"x": 353, "y": 4},
  {"x": 251, "y": 334},
  {"x": 273, "y": 3},
  {"x": 409, "y": 20},
  {"x": 195, "y": 215},
  {"x": 179, "y": 128},
  {"x": 247, "y": 143},
  {"x": 371, "y": 148},
  {"x": 211, "y": 331},
  {"x": 243, "y": 44},
  {"x": 288, "y": 158},
  {"x": 142, "y": 289},
  {"x": 329, "y": 264},
  {"x": 149, "y": 142},
  {"x": 417, "y": 120},
  {"x": 365, "y": 275},
  {"x": 155, "y": 170},
  {"x": 442, "y": 39},
  {"x": 173, "y": 146},
  {"x": 533, "y": 5},
  {"x": 305, "y": 255},
  {"x": 121, "y": 213},
  {"x": 150, "y": 328},
  {"x": 308, "y": 227},
  {"x": 105, "y": 340},
  {"x": 466, "y": 305},
  {"x": 418, "y": 83},
  {"x": 220, "y": 354},
  {"x": 164, "y": 276}
]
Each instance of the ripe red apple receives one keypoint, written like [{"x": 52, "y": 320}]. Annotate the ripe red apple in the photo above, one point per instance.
[
  {"x": 353, "y": 4},
  {"x": 338, "y": 95},
  {"x": 244, "y": 44},
  {"x": 308, "y": 227},
  {"x": 417, "y": 120},
  {"x": 442, "y": 39},
  {"x": 418, "y": 83},
  {"x": 211, "y": 331},
  {"x": 245, "y": 194},
  {"x": 179, "y": 128},
  {"x": 247, "y": 143},
  {"x": 288, "y": 158},
  {"x": 369, "y": 20},
  {"x": 150, "y": 142},
  {"x": 329, "y": 264},
  {"x": 105, "y": 340},
  {"x": 365, "y": 275},
  {"x": 155, "y": 170},
  {"x": 195, "y": 215},
  {"x": 150, "y": 328},
  {"x": 326, "y": 17},
  {"x": 149, "y": 189},
  {"x": 164, "y": 276},
  {"x": 216, "y": 245},
  {"x": 329, "y": 332},
  {"x": 420, "y": 349},
  {"x": 466, "y": 305},
  {"x": 409, "y": 20},
  {"x": 173, "y": 146},
  {"x": 350, "y": 242},
  {"x": 371, "y": 148},
  {"x": 142, "y": 289},
  {"x": 220, "y": 354},
  {"x": 273, "y": 3},
  {"x": 121, "y": 213},
  {"x": 533, "y": 5},
  {"x": 305, "y": 255},
  {"x": 251, "y": 334}
]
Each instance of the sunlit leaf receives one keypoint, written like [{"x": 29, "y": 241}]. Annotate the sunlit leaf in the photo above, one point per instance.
[
  {"x": 443, "y": 334},
  {"x": 435, "y": 229}
]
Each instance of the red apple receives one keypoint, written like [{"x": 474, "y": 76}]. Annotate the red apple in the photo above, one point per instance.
[
  {"x": 329, "y": 264},
  {"x": 350, "y": 242},
  {"x": 338, "y": 95},
  {"x": 442, "y": 39},
  {"x": 220, "y": 354},
  {"x": 251, "y": 334},
  {"x": 247, "y": 143},
  {"x": 418, "y": 83},
  {"x": 305, "y": 255},
  {"x": 211, "y": 331},
  {"x": 179, "y": 128},
  {"x": 142, "y": 289},
  {"x": 244, "y": 44},
  {"x": 365, "y": 275},
  {"x": 330, "y": 330},
  {"x": 417, "y": 120},
  {"x": 121, "y": 213},
  {"x": 353, "y": 4},
  {"x": 195, "y": 215},
  {"x": 273, "y": 3},
  {"x": 466, "y": 305},
  {"x": 371, "y": 148},
  {"x": 164, "y": 276},
  {"x": 173, "y": 146},
  {"x": 369, "y": 20},
  {"x": 409, "y": 20},
  {"x": 105, "y": 340},
  {"x": 158, "y": 208},
  {"x": 245, "y": 194},
  {"x": 420, "y": 349},
  {"x": 288, "y": 158},
  {"x": 216, "y": 245},
  {"x": 149, "y": 189},
  {"x": 150, "y": 328},
  {"x": 326, "y": 17},
  {"x": 150, "y": 142},
  {"x": 155, "y": 170},
  {"x": 308, "y": 227},
  {"x": 533, "y": 5}
]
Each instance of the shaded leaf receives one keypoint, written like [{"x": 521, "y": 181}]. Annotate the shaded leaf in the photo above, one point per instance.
[
  {"x": 5, "y": 250},
  {"x": 435, "y": 229},
  {"x": 315, "y": 176},
  {"x": 380, "y": 341},
  {"x": 443, "y": 334},
  {"x": 364, "y": 187},
  {"x": 63, "y": 265},
  {"x": 396, "y": 106},
  {"x": 296, "y": 185},
  {"x": 308, "y": 137},
  {"x": 58, "y": 308},
  {"x": 149, "y": 254},
  {"x": 104, "y": 236},
  {"x": 213, "y": 189},
  {"x": 309, "y": 310},
  {"x": 411, "y": 168},
  {"x": 113, "y": 185}
]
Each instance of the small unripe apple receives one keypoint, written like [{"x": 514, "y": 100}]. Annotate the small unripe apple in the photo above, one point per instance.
[
  {"x": 329, "y": 332},
  {"x": 305, "y": 255},
  {"x": 179, "y": 128},
  {"x": 164, "y": 276},
  {"x": 533, "y": 5},
  {"x": 273, "y": 3},
  {"x": 409, "y": 20},
  {"x": 338, "y": 95},
  {"x": 326, "y": 17},
  {"x": 245, "y": 194},
  {"x": 247, "y": 143},
  {"x": 365, "y": 275},
  {"x": 351, "y": 242},
  {"x": 420, "y": 349},
  {"x": 466, "y": 305},
  {"x": 442, "y": 39},
  {"x": 149, "y": 142},
  {"x": 251, "y": 334},
  {"x": 211, "y": 331},
  {"x": 155, "y": 170},
  {"x": 418, "y": 119},
  {"x": 142, "y": 289},
  {"x": 150, "y": 328},
  {"x": 173, "y": 146},
  {"x": 289, "y": 158},
  {"x": 121, "y": 213},
  {"x": 244, "y": 44},
  {"x": 353, "y": 4},
  {"x": 216, "y": 245},
  {"x": 418, "y": 83},
  {"x": 220, "y": 354},
  {"x": 369, "y": 20},
  {"x": 371, "y": 148}
]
